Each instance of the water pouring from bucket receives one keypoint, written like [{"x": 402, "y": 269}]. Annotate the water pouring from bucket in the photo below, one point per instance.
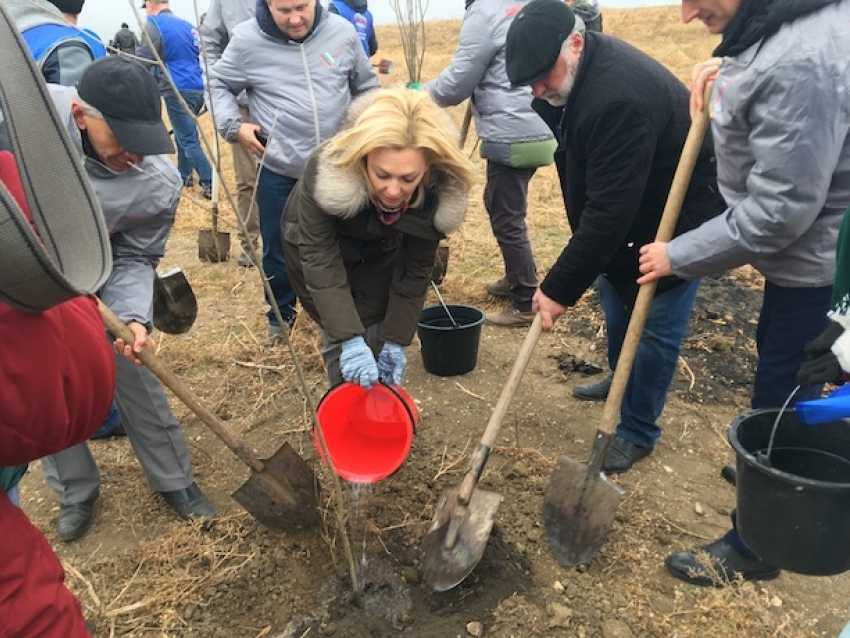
[{"x": 368, "y": 433}]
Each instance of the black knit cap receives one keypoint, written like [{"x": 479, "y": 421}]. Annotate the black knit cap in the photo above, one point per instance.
[
  {"x": 74, "y": 7},
  {"x": 535, "y": 38},
  {"x": 126, "y": 94}
]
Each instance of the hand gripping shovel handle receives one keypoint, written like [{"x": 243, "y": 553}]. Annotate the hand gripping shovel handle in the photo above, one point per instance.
[
  {"x": 678, "y": 190},
  {"x": 482, "y": 450},
  {"x": 183, "y": 392}
]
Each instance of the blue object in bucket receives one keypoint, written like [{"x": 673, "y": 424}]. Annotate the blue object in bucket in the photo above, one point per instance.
[{"x": 831, "y": 408}]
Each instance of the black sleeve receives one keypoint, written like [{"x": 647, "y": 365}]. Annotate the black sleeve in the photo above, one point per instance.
[
  {"x": 373, "y": 43},
  {"x": 50, "y": 68}
]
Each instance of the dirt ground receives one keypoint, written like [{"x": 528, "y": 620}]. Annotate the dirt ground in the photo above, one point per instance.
[{"x": 142, "y": 572}]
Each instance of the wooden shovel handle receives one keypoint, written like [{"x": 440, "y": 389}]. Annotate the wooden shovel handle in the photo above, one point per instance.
[
  {"x": 467, "y": 119},
  {"x": 479, "y": 458},
  {"x": 678, "y": 190},
  {"x": 183, "y": 392}
]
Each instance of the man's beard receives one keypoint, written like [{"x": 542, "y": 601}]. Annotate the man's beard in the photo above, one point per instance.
[{"x": 559, "y": 96}]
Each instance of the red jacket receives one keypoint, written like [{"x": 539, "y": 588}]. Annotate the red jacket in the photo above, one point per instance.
[{"x": 57, "y": 378}]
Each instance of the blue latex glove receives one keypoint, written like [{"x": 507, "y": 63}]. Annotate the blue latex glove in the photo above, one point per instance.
[
  {"x": 357, "y": 363},
  {"x": 391, "y": 363}
]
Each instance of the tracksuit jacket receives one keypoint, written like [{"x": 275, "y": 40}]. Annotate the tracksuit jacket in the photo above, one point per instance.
[
  {"x": 298, "y": 92},
  {"x": 503, "y": 114},
  {"x": 781, "y": 121}
]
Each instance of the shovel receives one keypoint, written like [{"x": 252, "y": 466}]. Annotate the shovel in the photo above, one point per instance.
[
  {"x": 214, "y": 246},
  {"x": 282, "y": 491},
  {"x": 462, "y": 522},
  {"x": 175, "y": 307},
  {"x": 580, "y": 501}
]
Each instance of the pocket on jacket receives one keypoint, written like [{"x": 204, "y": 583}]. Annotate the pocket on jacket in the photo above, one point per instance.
[{"x": 533, "y": 154}]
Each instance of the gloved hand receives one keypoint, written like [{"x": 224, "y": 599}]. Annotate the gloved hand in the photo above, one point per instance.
[
  {"x": 822, "y": 369},
  {"x": 822, "y": 344},
  {"x": 391, "y": 363},
  {"x": 357, "y": 363}
]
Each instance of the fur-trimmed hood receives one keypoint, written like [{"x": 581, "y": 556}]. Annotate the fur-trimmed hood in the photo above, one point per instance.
[{"x": 344, "y": 194}]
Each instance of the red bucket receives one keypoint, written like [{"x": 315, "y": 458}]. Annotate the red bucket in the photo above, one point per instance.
[{"x": 368, "y": 433}]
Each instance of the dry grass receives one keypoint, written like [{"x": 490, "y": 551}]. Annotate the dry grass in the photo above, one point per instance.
[
  {"x": 152, "y": 588},
  {"x": 160, "y": 582}
]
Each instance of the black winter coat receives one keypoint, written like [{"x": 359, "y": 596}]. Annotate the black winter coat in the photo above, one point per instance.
[{"x": 619, "y": 137}]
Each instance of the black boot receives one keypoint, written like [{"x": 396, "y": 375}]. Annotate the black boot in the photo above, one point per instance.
[
  {"x": 717, "y": 564},
  {"x": 189, "y": 503},
  {"x": 75, "y": 519},
  {"x": 597, "y": 391},
  {"x": 622, "y": 455}
]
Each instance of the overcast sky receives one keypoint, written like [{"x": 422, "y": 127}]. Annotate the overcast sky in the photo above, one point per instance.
[{"x": 106, "y": 16}]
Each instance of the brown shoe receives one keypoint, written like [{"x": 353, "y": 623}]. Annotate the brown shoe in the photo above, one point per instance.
[
  {"x": 510, "y": 318},
  {"x": 498, "y": 287}
]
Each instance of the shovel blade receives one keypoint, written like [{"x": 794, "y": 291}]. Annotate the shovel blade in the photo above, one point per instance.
[
  {"x": 174, "y": 304},
  {"x": 445, "y": 567},
  {"x": 285, "y": 495},
  {"x": 578, "y": 511}
]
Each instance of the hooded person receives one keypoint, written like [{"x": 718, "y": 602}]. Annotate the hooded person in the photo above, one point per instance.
[
  {"x": 322, "y": 59},
  {"x": 782, "y": 130}
]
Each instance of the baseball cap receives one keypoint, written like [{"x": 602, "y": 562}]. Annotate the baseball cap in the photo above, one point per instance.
[
  {"x": 126, "y": 93},
  {"x": 534, "y": 40}
]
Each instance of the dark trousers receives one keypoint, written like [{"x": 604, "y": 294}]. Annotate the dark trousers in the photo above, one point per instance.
[
  {"x": 506, "y": 199},
  {"x": 272, "y": 192},
  {"x": 789, "y": 318}
]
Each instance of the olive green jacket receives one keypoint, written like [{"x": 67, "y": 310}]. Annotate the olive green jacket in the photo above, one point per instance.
[{"x": 349, "y": 270}]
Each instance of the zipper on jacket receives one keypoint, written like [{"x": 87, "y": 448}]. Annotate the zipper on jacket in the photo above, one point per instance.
[{"x": 316, "y": 128}]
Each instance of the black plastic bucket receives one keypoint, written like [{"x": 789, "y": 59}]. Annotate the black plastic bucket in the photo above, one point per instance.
[
  {"x": 794, "y": 514},
  {"x": 448, "y": 350}
]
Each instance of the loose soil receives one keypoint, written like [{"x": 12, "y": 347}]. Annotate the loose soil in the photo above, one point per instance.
[{"x": 141, "y": 571}]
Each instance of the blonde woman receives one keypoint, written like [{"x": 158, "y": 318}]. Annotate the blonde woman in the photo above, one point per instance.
[{"x": 361, "y": 229}]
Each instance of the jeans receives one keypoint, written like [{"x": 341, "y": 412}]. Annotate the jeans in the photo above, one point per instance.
[
  {"x": 112, "y": 421},
  {"x": 506, "y": 201},
  {"x": 272, "y": 192},
  {"x": 656, "y": 358},
  {"x": 190, "y": 155}
]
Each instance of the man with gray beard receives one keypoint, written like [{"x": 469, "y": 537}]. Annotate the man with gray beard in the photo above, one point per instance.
[{"x": 620, "y": 119}]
